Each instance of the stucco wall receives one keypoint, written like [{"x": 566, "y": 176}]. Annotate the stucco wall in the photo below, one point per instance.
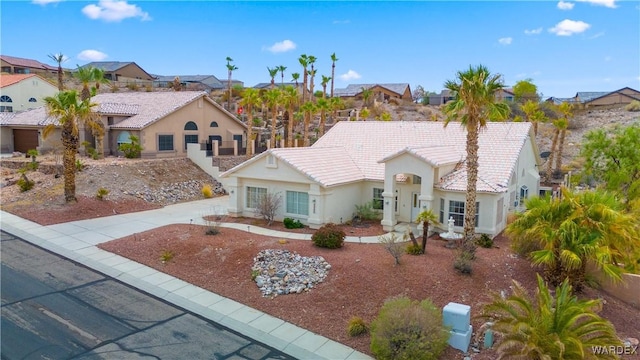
[
  {"x": 33, "y": 87},
  {"x": 6, "y": 139}
]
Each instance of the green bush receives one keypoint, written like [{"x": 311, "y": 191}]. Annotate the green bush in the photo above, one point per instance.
[
  {"x": 33, "y": 166},
  {"x": 462, "y": 263},
  {"x": 408, "y": 330},
  {"x": 485, "y": 241},
  {"x": 366, "y": 212},
  {"x": 357, "y": 327},
  {"x": 133, "y": 149},
  {"x": 633, "y": 106},
  {"x": 79, "y": 165},
  {"x": 290, "y": 223},
  {"x": 24, "y": 183},
  {"x": 414, "y": 249},
  {"x": 102, "y": 193},
  {"x": 328, "y": 236}
]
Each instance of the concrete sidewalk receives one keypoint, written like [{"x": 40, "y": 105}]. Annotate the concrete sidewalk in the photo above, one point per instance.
[{"x": 78, "y": 241}]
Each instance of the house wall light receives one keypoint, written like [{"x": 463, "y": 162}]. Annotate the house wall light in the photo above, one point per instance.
[
  {"x": 232, "y": 191},
  {"x": 386, "y": 202}
]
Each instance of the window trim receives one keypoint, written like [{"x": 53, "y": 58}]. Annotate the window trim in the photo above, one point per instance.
[
  {"x": 464, "y": 212},
  {"x": 191, "y": 142},
  {"x": 190, "y": 126},
  {"x": 6, "y": 98},
  {"x": 377, "y": 201},
  {"x": 252, "y": 199},
  {"x": 173, "y": 145},
  {"x": 300, "y": 209}
]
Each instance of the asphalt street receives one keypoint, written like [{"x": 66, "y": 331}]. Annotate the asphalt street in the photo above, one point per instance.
[{"x": 53, "y": 308}]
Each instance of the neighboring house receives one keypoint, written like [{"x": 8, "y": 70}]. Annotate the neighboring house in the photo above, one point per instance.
[
  {"x": 267, "y": 86},
  {"x": 16, "y": 65},
  {"x": 505, "y": 94},
  {"x": 191, "y": 82},
  {"x": 558, "y": 101},
  {"x": 122, "y": 71},
  {"x": 619, "y": 97},
  {"x": 165, "y": 122},
  {"x": 584, "y": 96},
  {"x": 400, "y": 167},
  {"x": 380, "y": 92},
  {"x": 20, "y": 92}
]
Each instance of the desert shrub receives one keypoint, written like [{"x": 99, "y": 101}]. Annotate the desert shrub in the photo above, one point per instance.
[
  {"x": 364, "y": 113},
  {"x": 385, "y": 116},
  {"x": 254, "y": 274},
  {"x": 366, "y": 212},
  {"x": 114, "y": 87},
  {"x": 414, "y": 249},
  {"x": 79, "y": 165},
  {"x": 24, "y": 183},
  {"x": 267, "y": 206},
  {"x": 102, "y": 193},
  {"x": 207, "y": 192},
  {"x": 33, "y": 166},
  {"x": 463, "y": 262},
  {"x": 148, "y": 88},
  {"x": 166, "y": 256},
  {"x": 133, "y": 86},
  {"x": 633, "y": 106},
  {"x": 392, "y": 243},
  {"x": 406, "y": 329},
  {"x": 329, "y": 236},
  {"x": 90, "y": 151},
  {"x": 133, "y": 149},
  {"x": 485, "y": 241},
  {"x": 32, "y": 153},
  {"x": 357, "y": 327},
  {"x": 290, "y": 223}
]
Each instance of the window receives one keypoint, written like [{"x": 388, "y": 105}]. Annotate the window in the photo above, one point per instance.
[
  {"x": 456, "y": 210},
  {"x": 165, "y": 142},
  {"x": 109, "y": 120},
  {"x": 190, "y": 139},
  {"x": 524, "y": 194},
  {"x": 500, "y": 211},
  {"x": 297, "y": 203},
  {"x": 441, "y": 218},
  {"x": 417, "y": 179},
  {"x": 254, "y": 195},
  {"x": 33, "y": 100},
  {"x": 378, "y": 199},
  {"x": 190, "y": 126},
  {"x": 213, "y": 124},
  {"x": 5, "y": 98},
  {"x": 6, "y": 108}
]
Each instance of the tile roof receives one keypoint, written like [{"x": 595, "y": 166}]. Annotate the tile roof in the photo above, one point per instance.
[
  {"x": 10, "y": 79},
  {"x": 352, "y": 151},
  {"x": 208, "y": 80},
  {"x": 108, "y": 65},
  {"x": 33, "y": 117},
  {"x": 354, "y": 89},
  {"x": 584, "y": 96},
  {"x": 277, "y": 84},
  {"x": 16, "y": 61}
]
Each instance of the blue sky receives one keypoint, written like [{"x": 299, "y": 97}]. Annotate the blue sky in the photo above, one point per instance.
[{"x": 564, "y": 47}]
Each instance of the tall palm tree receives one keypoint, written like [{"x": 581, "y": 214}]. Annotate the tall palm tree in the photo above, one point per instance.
[
  {"x": 558, "y": 125},
  {"x": 272, "y": 74},
  {"x": 336, "y": 104},
  {"x": 532, "y": 113},
  {"x": 333, "y": 70},
  {"x": 85, "y": 76},
  {"x": 323, "y": 106},
  {"x": 272, "y": 99},
  {"x": 308, "y": 108},
  {"x": 250, "y": 100},
  {"x": 473, "y": 105},
  {"x": 551, "y": 327},
  {"x": 426, "y": 217},
  {"x": 366, "y": 95},
  {"x": 88, "y": 75},
  {"x": 312, "y": 75},
  {"x": 99, "y": 78},
  {"x": 325, "y": 81},
  {"x": 67, "y": 108},
  {"x": 295, "y": 77},
  {"x": 566, "y": 111},
  {"x": 304, "y": 61},
  {"x": 59, "y": 58},
  {"x": 230, "y": 69},
  {"x": 290, "y": 100},
  {"x": 282, "y": 68}
]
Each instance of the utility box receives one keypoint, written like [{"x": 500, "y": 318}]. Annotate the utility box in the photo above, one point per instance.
[{"x": 458, "y": 318}]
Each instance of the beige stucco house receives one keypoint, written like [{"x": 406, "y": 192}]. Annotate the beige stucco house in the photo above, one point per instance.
[
  {"x": 401, "y": 167},
  {"x": 20, "y": 92},
  {"x": 379, "y": 92},
  {"x": 122, "y": 71},
  {"x": 165, "y": 122},
  {"x": 17, "y": 65},
  {"x": 622, "y": 96}
]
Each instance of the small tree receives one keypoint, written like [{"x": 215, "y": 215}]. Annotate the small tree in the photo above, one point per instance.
[
  {"x": 426, "y": 217},
  {"x": 268, "y": 205},
  {"x": 393, "y": 245}
]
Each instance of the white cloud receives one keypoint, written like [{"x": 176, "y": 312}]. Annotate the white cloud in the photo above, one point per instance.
[
  {"x": 601, "y": 33},
  {"x": 568, "y": 27},
  {"x": 114, "y": 11},
  {"x": 505, "y": 41},
  {"x": 533, "y": 31},
  {"x": 565, "y": 5},
  {"x": 606, "y": 3},
  {"x": 350, "y": 75},
  {"x": 45, "y": 2},
  {"x": 282, "y": 46},
  {"x": 92, "y": 55}
]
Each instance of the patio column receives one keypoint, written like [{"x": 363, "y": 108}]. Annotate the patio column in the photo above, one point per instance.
[
  {"x": 235, "y": 148},
  {"x": 215, "y": 148},
  {"x": 389, "y": 216}
]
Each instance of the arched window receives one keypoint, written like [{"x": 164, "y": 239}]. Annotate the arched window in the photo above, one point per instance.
[
  {"x": 5, "y": 98},
  {"x": 33, "y": 100},
  {"x": 213, "y": 124},
  {"x": 190, "y": 126}
]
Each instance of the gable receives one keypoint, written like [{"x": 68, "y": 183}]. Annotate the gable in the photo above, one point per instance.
[{"x": 278, "y": 171}]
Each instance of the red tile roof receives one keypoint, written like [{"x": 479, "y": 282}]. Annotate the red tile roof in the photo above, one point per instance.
[
  {"x": 10, "y": 79},
  {"x": 16, "y": 61}
]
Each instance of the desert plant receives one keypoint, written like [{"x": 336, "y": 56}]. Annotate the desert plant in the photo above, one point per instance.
[
  {"x": 463, "y": 262},
  {"x": 267, "y": 206},
  {"x": 33, "y": 166},
  {"x": 357, "y": 326},
  {"x": 79, "y": 165},
  {"x": 24, "y": 183},
  {"x": 633, "y": 106},
  {"x": 290, "y": 223},
  {"x": 364, "y": 113},
  {"x": 114, "y": 87},
  {"x": 393, "y": 244},
  {"x": 132, "y": 149},
  {"x": 133, "y": 86},
  {"x": 485, "y": 241},
  {"x": 102, "y": 193},
  {"x": 414, "y": 249},
  {"x": 32, "y": 153},
  {"x": 329, "y": 236},
  {"x": 148, "y": 88},
  {"x": 213, "y": 223},
  {"x": 426, "y": 217},
  {"x": 406, "y": 329},
  {"x": 207, "y": 192},
  {"x": 254, "y": 274},
  {"x": 166, "y": 256},
  {"x": 366, "y": 212}
]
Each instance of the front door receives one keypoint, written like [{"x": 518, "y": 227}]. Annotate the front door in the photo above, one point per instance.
[{"x": 415, "y": 206}]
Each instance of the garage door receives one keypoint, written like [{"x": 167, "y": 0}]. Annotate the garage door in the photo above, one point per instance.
[{"x": 25, "y": 140}]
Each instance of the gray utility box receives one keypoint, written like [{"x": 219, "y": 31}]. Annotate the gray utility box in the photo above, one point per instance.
[{"x": 458, "y": 318}]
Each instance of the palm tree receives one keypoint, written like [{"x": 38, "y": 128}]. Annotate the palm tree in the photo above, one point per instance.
[
  {"x": 308, "y": 108},
  {"x": 230, "y": 68},
  {"x": 282, "y": 68},
  {"x": 304, "y": 61},
  {"x": 558, "y": 124},
  {"x": 566, "y": 110},
  {"x": 85, "y": 76},
  {"x": 98, "y": 78},
  {"x": 289, "y": 100},
  {"x": 336, "y": 104},
  {"x": 69, "y": 111},
  {"x": 295, "y": 77},
  {"x": 323, "y": 106},
  {"x": 551, "y": 327},
  {"x": 533, "y": 114},
  {"x": 473, "y": 105},
  {"x": 272, "y": 99},
  {"x": 312, "y": 74},
  {"x": 333, "y": 70},
  {"x": 325, "y": 81},
  {"x": 426, "y": 217},
  {"x": 88, "y": 75},
  {"x": 366, "y": 95},
  {"x": 250, "y": 100},
  {"x": 59, "y": 58},
  {"x": 564, "y": 234},
  {"x": 272, "y": 73}
]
